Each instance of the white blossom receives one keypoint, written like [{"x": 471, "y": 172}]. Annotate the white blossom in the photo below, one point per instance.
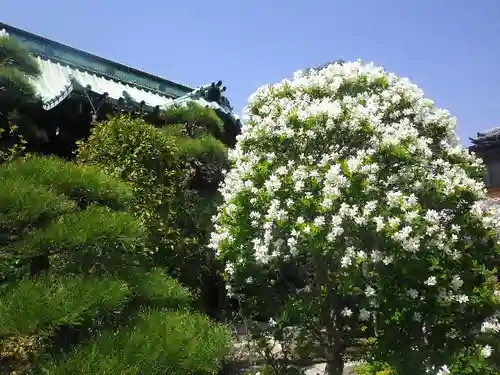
[
  {"x": 456, "y": 282},
  {"x": 412, "y": 293},
  {"x": 370, "y": 291},
  {"x": 462, "y": 298},
  {"x": 417, "y": 316},
  {"x": 444, "y": 371},
  {"x": 431, "y": 281},
  {"x": 346, "y": 312},
  {"x": 353, "y": 168},
  {"x": 364, "y": 315},
  {"x": 486, "y": 351}
]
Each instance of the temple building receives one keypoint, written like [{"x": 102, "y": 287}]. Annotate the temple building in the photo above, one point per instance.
[
  {"x": 486, "y": 145},
  {"x": 77, "y": 88}
]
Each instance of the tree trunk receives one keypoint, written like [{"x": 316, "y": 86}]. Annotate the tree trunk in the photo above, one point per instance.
[{"x": 335, "y": 366}]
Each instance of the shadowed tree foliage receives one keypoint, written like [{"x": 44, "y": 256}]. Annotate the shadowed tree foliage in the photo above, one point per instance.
[
  {"x": 18, "y": 97},
  {"x": 17, "y": 66}
]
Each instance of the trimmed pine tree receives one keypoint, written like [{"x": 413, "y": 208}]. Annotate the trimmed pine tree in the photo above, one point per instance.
[{"x": 78, "y": 293}]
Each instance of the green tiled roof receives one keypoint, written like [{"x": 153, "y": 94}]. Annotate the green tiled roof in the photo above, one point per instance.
[
  {"x": 64, "y": 69},
  {"x": 76, "y": 59}
]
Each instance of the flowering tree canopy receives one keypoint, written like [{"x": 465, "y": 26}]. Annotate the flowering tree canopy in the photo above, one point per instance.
[{"x": 351, "y": 175}]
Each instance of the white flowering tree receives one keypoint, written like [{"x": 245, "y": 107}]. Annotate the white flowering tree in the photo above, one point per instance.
[{"x": 349, "y": 175}]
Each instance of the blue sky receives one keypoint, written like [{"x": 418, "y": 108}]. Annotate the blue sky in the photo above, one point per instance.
[{"x": 450, "y": 48}]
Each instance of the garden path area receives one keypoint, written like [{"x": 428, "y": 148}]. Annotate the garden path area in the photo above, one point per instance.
[{"x": 242, "y": 360}]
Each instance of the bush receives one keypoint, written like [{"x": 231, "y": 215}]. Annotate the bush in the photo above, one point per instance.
[
  {"x": 135, "y": 151},
  {"x": 75, "y": 244},
  {"x": 163, "y": 342},
  {"x": 471, "y": 361},
  {"x": 195, "y": 119},
  {"x": 23, "y": 204},
  {"x": 38, "y": 306},
  {"x": 15, "y": 144},
  {"x": 83, "y": 184},
  {"x": 375, "y": 369},
  {"x": 174, "y": 177},
  {"x": 45, "y": 218},
  {"x": 75, "y": 266},
  {"x": 155, "y": 288},
  {"x": 354, "y": 180}
]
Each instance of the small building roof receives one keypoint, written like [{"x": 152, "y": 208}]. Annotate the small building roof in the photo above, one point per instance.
[{"x": 487, "y": 138}]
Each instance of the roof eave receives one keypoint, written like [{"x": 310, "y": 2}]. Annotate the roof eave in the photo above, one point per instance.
[{"x": 54, "y": 50}]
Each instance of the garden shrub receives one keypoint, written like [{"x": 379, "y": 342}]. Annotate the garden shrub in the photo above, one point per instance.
[
  {"x": 350, "y": 177},
  {"x": 75, "y": 266},
  {"x": 134, "y": 151},
  {"x": 38, "y": 306},
  {"x": 43, "y": 219},
  {"x": 75, "y": 244},
  {"x": 374, "y": 369},
  {"x": 155, "y": 288},
  {"x": 15, "y": 144},
  {"x": 195, "y": 119},
  {"x": 174, "y": 176},
  {"x": 83, "y": 184},
  {"x": 163, "y": 342},
  {"x": 40, "y": 202}
]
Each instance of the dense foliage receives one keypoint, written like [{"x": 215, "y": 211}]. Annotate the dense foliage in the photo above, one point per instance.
[
  {"x": 174, "y": 172},
  {"x": 353, "y": 181},
  {"x": 79, "y": 293},
  {"x": 198, "y": 118},
  {"x": 16, "y": 68},
  {"x": 13, "y": 145},
  {"x": 195, "y": 118},
  {"x": 18, "y": 97},
  {"x": 88, "y": 251}
]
